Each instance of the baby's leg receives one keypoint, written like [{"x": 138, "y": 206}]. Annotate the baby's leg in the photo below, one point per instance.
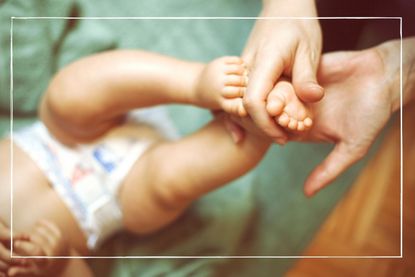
[
  {"x": 287, "y": 108},
  {"x": 171, "y": 175},
  {"x": 76, "y": 267}
]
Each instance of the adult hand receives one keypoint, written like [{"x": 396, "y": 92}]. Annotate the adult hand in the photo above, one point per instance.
[
  {"x": 44, "y": 240},
  {"x": 362, "y": 91},
  {"x": 5, "y": 255},
  {"x": 282, "y": 47}
]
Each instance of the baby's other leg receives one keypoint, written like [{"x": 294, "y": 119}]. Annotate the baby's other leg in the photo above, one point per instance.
[
  {"x": 168, "y": 177},
  {"x": 287, "y": 108}
]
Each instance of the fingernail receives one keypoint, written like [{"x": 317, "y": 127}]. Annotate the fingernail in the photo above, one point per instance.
[
  {"x": 315, "y": 87},
  {"x": 314, "y": 84}
]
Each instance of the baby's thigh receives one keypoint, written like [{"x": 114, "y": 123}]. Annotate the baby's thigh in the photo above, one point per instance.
[
  {"x": 134, "y": 194},
  {"x": 140, "y": 195},
  {"x": 23, "y": 185}
]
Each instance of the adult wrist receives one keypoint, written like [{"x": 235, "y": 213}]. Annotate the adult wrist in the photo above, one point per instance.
[
  {"x": 390, "y": 52},
  {"x": 408, "y": 70},
  {"x": 295, "y": 8}
]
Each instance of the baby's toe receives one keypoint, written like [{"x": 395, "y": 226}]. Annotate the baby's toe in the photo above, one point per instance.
[
  {"x": 238, "y": 69},
  {"x": 292, "y": 106},
  {"x": 293, "y": 124},
  {"x": 308, "y": 122},
  {"x": 300, "y": 126},
  {"x": 283, "y": 120},
  {"x": 236, "y": 80},
  {"x": 233, "y": 91},
  {"x": 296, "y": 109},
  {"x": 275, "y": 104},
  {"x": 301, "y": 113},
  {"x": 233, "y": 60}
]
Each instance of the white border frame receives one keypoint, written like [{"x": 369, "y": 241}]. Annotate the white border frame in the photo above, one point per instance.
[{"x": 205, "y": 257}]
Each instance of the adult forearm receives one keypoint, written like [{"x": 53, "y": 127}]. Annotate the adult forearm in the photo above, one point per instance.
[
  {"x": 390, "y": 53},
  {"x": 409, "y": 70}
]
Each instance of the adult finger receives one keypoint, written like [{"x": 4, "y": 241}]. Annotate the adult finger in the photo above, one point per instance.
[
  {"x": 26, "y": 248},
  {"x": 42, "y": 236},
  {"x": 4, "y": 233},
  {"x": 264, "y": 74},
  {"x": 304, "y": 75},
  {"x": 22, "y": 236},
  {"x": 6, "y": 257},
  {"x": 3, "y": 266},
  {"x": 339, "y": 159},
  {"x": 51, "y": 228},
  {"x": 249, "y": 51},
  {"x": 20, "y": 272},
  {"x": 5, "y": 254}
]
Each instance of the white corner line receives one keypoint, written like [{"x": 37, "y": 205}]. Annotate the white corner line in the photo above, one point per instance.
[
  {"x": 401, "y": 131},
  {"x": 11, "y": 136},
  {"x": 203, "y": 17},
  {"x": 12, "y": 18},
  {"x": 210, "y": 257}
]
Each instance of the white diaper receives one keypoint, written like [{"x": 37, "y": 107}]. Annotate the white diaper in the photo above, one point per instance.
[{"x": 88, "y": 176}]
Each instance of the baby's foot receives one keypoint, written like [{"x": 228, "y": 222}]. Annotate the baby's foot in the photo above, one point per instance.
[
  {"x": 235, "y": 76},
  {"x": 288, "y": 110},
  {"x": 225, "y": 79}
]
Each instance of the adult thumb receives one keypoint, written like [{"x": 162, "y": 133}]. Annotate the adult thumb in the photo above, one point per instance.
[
  {"x": 339, "y": 159},
  {"x": 304, "y": 77}
]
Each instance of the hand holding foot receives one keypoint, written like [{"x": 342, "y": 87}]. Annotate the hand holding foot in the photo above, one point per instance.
[
  {"x": 281, "y": 47},
  {"x": 45, "y": 240},
  {"x": 6, "y": 261},
  {"x": 229, "y": 77}
]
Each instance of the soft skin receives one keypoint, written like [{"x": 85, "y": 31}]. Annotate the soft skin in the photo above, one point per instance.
[{"x": 90, "y": 97}]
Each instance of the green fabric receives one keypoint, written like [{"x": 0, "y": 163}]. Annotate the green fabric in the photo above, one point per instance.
[{"x": 263, "y": 213}]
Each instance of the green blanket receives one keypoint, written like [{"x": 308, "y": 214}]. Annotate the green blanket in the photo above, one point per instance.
[{"x": 262, "y": 213}]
